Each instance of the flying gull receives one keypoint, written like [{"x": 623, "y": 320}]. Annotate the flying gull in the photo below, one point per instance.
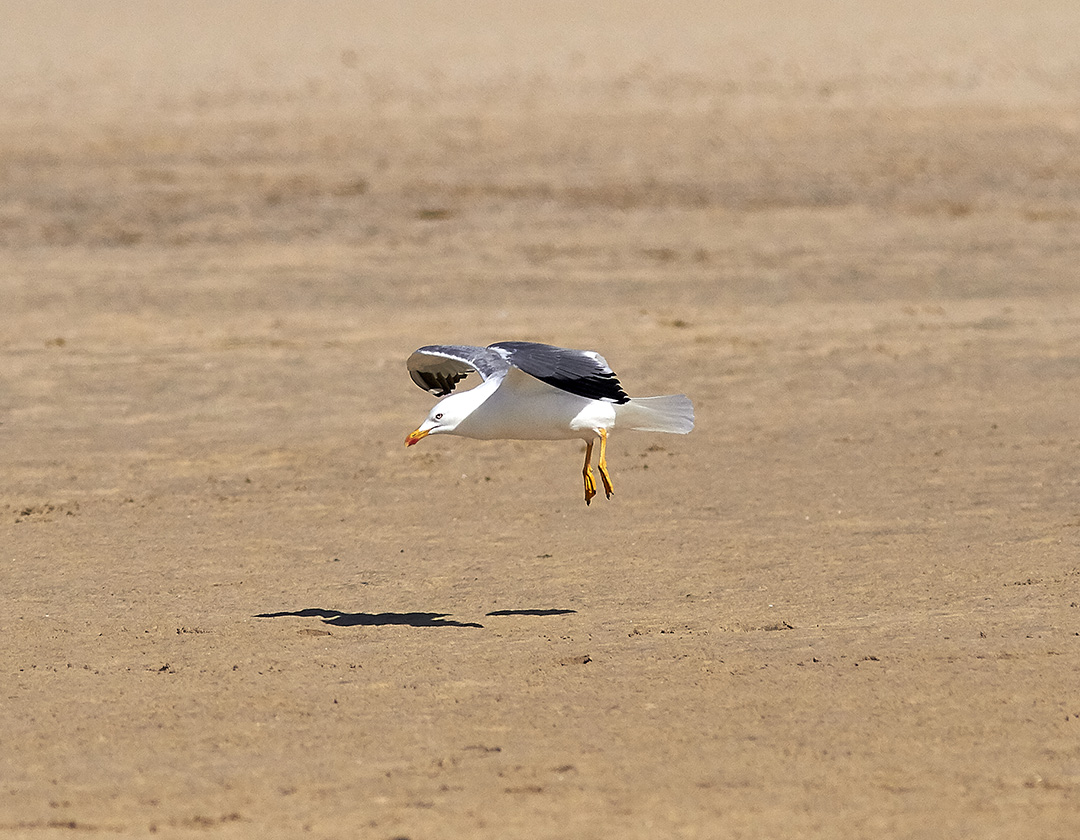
[{"x": 538, "y": 392}]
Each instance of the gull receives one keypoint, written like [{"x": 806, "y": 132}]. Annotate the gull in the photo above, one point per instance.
[{"x": 532, "y": 391}]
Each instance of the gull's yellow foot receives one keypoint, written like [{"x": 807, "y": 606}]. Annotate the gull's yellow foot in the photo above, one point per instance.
[
  {"x": 590, "y": 487},
  {"x": 586, "y": 472},
  {"x": 602, "y": 464}
]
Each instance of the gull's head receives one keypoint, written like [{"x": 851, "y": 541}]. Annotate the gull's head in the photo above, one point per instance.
[{"x": 443, "y": 419}]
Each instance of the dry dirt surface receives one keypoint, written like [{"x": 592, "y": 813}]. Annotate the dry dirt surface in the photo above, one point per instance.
[{"x": 234, "y": 605}]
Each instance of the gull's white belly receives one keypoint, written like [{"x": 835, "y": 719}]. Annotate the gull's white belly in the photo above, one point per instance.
[{"x": 536, "y": 412}]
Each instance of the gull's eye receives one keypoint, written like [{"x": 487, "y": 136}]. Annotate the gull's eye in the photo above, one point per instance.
[{"x": 438, "y": 416}]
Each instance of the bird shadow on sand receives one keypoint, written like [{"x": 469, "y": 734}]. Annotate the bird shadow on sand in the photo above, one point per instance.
[{"x": 389, "y": 619}]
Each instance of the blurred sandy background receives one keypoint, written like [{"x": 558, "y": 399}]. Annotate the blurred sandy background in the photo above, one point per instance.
[{"x": 846, "y": 605}]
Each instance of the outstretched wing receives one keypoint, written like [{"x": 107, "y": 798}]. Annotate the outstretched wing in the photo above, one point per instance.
[
  {"x": 439, "y": 367},
  {"x": 580, "y": 372}
]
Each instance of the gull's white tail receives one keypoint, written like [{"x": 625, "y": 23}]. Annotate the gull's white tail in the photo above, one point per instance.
[{"x": 674, "y": 414}]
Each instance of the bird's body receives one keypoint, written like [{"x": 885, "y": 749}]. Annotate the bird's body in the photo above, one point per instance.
[
  {"x": 520, "y": 407},
  {"x": 537, "y": 392}
]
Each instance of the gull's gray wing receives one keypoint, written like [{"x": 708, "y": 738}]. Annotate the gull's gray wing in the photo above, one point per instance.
[
  {"x": 439, "y": 367},
  {"x": 580, "y": 372}
]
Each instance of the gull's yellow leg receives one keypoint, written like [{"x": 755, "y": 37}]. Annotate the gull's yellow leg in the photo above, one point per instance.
[
  {"x": 602, "y": 464},
  {"x": 590, "y": 484}
]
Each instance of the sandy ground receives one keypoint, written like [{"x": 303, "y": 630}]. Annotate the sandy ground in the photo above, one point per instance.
[{"x": 847, "y": 605}]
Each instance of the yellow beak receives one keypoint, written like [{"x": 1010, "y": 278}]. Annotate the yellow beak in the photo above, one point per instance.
[{"x": 415, "y": 437}]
